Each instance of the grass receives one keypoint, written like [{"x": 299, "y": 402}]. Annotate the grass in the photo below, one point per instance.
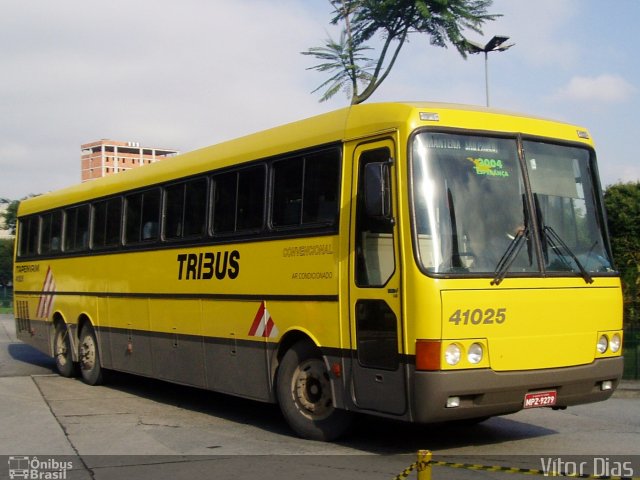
[{"x": 6, "y": 309}]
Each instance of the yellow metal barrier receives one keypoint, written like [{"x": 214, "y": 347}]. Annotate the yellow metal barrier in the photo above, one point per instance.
[{"x": 422, "y": 467}]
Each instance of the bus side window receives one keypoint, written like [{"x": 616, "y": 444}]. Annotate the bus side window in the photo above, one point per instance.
[
  {"x": 76, "y": 228},
  {"x": 150, "y": 215},
  {"x": 173, "y": 211},
  {"x": 28, "y": 229},
  {"x": 321, "y": 186},
  {"x": 287, "y": 192},
  {"x": 224, "y": 203},
  {"x": 195, "y": 208},
  {"x": 305, "y": 189},
  {"x": 250, "y": 206},
  {"x": 107, "y": 221},
  {"x": 50, "y": 238},
  {"x": 142, "y": 216},
  {"x": 238, "y": 200}
]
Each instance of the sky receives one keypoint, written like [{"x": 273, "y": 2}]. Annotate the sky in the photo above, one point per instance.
[{"x": 184, "y": 75}]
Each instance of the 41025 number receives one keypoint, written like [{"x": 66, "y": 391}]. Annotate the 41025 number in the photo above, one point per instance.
[{"x": 477, "y": 316}]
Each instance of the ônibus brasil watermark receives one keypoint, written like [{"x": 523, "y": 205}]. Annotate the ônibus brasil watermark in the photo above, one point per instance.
[{"x": 34, "y": 468}]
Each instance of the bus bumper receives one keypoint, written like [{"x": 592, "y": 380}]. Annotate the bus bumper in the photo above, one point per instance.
[{"x": 485, "y": 393}]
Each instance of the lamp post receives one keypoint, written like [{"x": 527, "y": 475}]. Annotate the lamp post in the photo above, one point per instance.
[{"x": 496, "y": 44}]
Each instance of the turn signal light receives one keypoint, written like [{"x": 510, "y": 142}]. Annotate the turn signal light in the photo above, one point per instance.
[{"x": 428, "y": 354}]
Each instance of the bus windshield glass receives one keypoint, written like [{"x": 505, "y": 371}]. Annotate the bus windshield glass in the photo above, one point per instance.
[
  {"x": 472, "y": 215},
  {"x": 572, "y": 236}
]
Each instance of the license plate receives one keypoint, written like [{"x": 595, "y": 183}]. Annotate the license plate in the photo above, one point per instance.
[{"x": 540, "y": 399}]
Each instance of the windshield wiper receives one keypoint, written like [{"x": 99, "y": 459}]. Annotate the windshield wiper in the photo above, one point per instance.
[
  {"x": 509, "y": 255},
  {"x": 554, "y": 240}
]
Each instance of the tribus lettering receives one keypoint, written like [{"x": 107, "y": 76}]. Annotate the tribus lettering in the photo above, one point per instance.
[{"x": 204, "y": 265}]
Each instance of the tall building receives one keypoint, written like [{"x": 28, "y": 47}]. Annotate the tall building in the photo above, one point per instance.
[{"x": 106, "y": 157}]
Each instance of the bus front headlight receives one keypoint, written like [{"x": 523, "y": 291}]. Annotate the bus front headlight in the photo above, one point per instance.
[
  {"x": 452, "y": 354},
  {"x": 603, "y": 343},
  {"x": 615, "y": 343},
  {"x": 475, "y": 353}
]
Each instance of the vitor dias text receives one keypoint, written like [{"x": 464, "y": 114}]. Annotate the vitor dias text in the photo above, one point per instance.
[
  {"x": 600, "y": 467},
  {"x": 209, "y": 265}
]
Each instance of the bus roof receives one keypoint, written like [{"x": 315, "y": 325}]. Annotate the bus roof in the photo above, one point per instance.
[{"x": 340, "y": 125}]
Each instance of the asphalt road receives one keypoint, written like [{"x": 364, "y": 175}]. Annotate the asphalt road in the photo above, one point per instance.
[{"x": 140, "y": 428}]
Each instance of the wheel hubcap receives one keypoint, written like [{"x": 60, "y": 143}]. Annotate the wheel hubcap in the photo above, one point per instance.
[
  {"x": 312, "y": 390},
  {"x": 87, "y": 353}
]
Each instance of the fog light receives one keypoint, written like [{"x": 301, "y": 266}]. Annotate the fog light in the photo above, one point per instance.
[
  {"x": 615, "y": 343},
  {"x": 606, "y": 385},
  {"x": 453, "y": 402},
  {"x": 452, "y": 354},
  {"x": 474, "y": 355},
  {"x": 603, "y": 343}
]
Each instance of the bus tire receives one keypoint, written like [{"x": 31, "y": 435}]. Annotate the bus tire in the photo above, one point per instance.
[
  {"x": 62, "y": 351},
  {"x": 89, "y": 356},
  {"x": 304, "y": 393}
]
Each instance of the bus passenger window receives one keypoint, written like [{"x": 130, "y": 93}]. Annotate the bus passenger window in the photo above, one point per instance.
[
  {"x": 28, "y": 233},
  {"x": 76, "y": 229},
  {"x": 50, "y": 239},
  {"x": 238, "y": 200},
  {"x": 287, "y": 192},
  {"x": 305, "y": 189},
  {"x": 173, "y": 209},
  {"x": 321, "y": 178},
  {"x": 143, "y": 210},
  {"x": 106, "y": 223},
  {"x": 250, "y": 207},
  {"x": 224, "y": 203},
  {"x": 195, "y": 208}
]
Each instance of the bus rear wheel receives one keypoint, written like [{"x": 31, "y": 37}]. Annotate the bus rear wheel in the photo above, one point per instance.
[
  {"x": 305, "y": 396},
  {"x": 62, "y": 351},
  {"x": 89, "y": 356}
]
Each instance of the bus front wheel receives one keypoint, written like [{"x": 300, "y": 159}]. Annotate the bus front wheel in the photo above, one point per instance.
[
  {"x": 89, "y": 356},
  {"x": 305, "y": 397}
]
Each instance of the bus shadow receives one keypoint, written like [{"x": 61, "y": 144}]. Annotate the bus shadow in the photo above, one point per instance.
[
  {"x": 369, "y": 434},
  {"x": 25, "y": 356},
  {"x": 384, "y": 436},
  {"x": 227, "y": 407}
]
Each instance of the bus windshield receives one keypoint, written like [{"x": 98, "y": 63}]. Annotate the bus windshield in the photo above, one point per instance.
[
  {"x": 472, "y": 215},
  {"x": 566, "y": 204}
]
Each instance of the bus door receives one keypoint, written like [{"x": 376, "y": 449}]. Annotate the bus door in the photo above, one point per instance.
[{"x": 377, "y": 377}]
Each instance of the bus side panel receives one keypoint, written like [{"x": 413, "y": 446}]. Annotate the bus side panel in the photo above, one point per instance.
[
  {"x": 234, "y": 361},
  {"x": 37, "y": 332},
  {"x": 129, "y": 335},
  {"x": 176, "y": 341},
  {"x": 104, "y": 335}
]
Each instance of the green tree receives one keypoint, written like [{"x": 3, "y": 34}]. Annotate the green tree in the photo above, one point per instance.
[
  {"x": 622, "y": 202},
  {"x": 443, "y": 20},
  {"x": 10, "y": 216}
]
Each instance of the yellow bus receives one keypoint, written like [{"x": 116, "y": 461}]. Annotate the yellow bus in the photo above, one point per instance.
[{"x": 419, "y": 261}]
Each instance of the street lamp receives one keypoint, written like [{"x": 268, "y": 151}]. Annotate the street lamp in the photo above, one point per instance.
[{"x": 496, "y": 44}]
